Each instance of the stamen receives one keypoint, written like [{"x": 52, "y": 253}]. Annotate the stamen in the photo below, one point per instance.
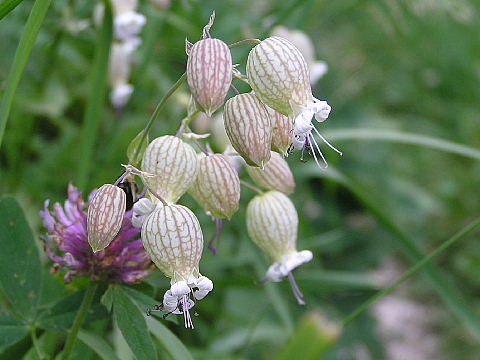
[
  {"x": 216, "y": 235},
  {"x": 296, "y": 291},
  {"x": 319, "y": 151},
  {"x": 326, "y": 142},
  {"x": 186, "y": 312},
  {"x": 315, "y": 156}
]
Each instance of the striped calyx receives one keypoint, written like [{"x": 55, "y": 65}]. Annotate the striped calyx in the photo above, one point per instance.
[
  {"x": 272, "y": 223},
  {"x": 217, "y": 187},
  {"x": 105, "y": 216},
  {"x": 278, "y": 74},
  {"x": 282, "y": 131},
  {"x": 249, "y": 128},
  {"x": 175, "y": 163},
  {"x": 174, "y": 241},
  {"x": 275, "y": 176},
  {"x": 209, "y": 73}
]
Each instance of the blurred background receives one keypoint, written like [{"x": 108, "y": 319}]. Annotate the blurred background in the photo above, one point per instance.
[{"x": 403, "y": 82}]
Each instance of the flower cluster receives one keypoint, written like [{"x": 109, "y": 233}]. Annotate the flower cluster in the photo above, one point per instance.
[{"x": 261, "y": 126}]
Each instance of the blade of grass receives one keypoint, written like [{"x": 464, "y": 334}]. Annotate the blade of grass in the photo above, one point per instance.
[
  {"x": 412, "y": 271},
  {"x": 96, "y": 98},
  {"x": 447, "y": 291},
  {"x": 97, "y": 344},
  {"x": 30, "y": 32},
  {"x": 8, "y": 5},
  {"x": 404, "y": 138}
]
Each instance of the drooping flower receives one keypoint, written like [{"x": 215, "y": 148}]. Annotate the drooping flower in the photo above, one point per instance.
[
  {"x": 127, "y": 22},
  {"x": 279, "y": 75},
  {"x": 249, "y": 128},
  {"x": 66, "y": 244},
  {"x": 272, "y": 223},
  {"x": 173, "y": 238}
]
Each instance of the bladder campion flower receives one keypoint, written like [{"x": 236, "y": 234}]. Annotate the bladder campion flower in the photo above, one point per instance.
[
  {"x": 173, "y": 238},
  {"x": 278, "y": 73},
  {"x": 66, "y": 244},
  {"x": 272, "y": 223}
]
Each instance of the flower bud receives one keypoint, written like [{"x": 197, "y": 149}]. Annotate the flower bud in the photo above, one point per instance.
[
  {"x": 217, "y": 187},
  {"x": 278, "y": 73},
  {"x": 272, "y": 223},
  {"x": 249, "y": 128},
  {"x": 209, "y": 73},
  {"x": 275, "y": 176},
  {"x": 175, "y": 163},
  {"x": 105, "y": 216},
  {"x": 282, "y": 131}
]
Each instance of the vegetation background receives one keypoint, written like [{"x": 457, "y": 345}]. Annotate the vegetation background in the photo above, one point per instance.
[{"x": 403, "y": 82}]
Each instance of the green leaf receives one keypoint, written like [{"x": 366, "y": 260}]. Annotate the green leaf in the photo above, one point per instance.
[
  {"x": 131, "y": 323},
  {"x": 12, "y": 330},
  {"x": 30, "y": 32},
  {"x": 20, "y": 269},
  {"x": 137, "y": 148},
  {"x": 8, "y": 5},
  {"x": 169, "y": 341},
  {"x": 96, "y": 98},
  {"x": 97, "y": 344}
]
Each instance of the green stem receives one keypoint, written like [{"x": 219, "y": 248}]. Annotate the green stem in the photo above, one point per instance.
[
  {"x": 186, "y": 121},
  {"x": 36, "y": 346},
  {"x": 467, "y": 229},
  {"x": 82, "y": 313},
  {"x": 158, "y": 109},
  {"x": 243, "y": 42},
  {"x": 30, "y": 32},
  {"x": 251, "y": 187}
]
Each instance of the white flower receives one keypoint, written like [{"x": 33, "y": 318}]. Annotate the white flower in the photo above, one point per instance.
[
  {"x": 128, "y": 24},
  {"x": 120, "y": 95}
]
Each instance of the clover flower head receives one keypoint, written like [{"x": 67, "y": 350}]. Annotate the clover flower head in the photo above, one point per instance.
[{"x": 66, "y": 244}]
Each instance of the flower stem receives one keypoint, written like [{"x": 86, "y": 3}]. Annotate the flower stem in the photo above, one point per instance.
[
  {"x": 186, "y": 121},
  {"x": 158, "y": 109},
  {"x": 82, "y": 313},
  {"x": 35, "y": 343},
  {"x": 251, "y": 187},
  {"x": 246, "y": 41},
  {"x": 358, "y": 311}
]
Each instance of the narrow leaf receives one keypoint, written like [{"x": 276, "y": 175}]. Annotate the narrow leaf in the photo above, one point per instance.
[
  {"x": 8, "y": 5},
  {"x": 30, "y": 32},
  {"x": 97, "y": 344},
  {"x": 96, "y": 97},
  {"x": 20, "y": 269},
  {"x": 132, "y": 325},
  {"x": 169, "y": 341}
]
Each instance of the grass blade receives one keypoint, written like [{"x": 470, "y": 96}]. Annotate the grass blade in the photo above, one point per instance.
[
  {"x": 170, "y": 342},
  {"x": 449, "y": 294},
  {"x": 412, "y": 271},
  {"x": 30, "y": 32},
  {"x": 97, "y": 344},
  {"x": 96, "y": 98},
  {"x": 404, "y": 138},
  {"x": 8, "y": 5}
]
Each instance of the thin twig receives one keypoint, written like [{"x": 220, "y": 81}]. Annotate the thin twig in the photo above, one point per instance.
[{"x": 251, "y": 187}]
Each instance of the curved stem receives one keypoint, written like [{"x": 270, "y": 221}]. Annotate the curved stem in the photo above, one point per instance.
[
  {"x": 246, "y": 41},
  {"x": 186, "y": 121},
  {"x": 251, "y": 187},
  {"x": 358, "y": 311},
  {"x": 158, "y": 109},
  {"x": 82, "y": 313}
]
